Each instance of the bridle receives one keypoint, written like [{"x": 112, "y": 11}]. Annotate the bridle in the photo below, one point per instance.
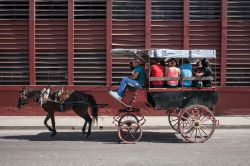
[{"x": 26, "y": 97}]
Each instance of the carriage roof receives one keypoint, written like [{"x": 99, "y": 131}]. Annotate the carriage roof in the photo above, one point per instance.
[{"x": 167, "y": 53}]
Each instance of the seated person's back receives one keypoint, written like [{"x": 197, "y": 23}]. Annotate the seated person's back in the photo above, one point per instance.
[
  {"x": 157, "y": 70},
  {"x": 172, "y": 72},
  {"x": 186, "y": 71}
]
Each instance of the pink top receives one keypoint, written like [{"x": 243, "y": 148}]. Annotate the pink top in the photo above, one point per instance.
[{"x": 173, "y": 72}]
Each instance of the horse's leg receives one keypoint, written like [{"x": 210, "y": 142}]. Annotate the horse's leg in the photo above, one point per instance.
[
  {"x": 84, "y": 126},
  {"x": 46, "y": 124},
  {"x": 84, "y": 114},
  {"x": 89, "y": 120},
  {"x": 52, "y": 116}
]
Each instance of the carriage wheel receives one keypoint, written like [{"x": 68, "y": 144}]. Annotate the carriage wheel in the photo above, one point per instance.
[
  {"x": 173, "y": 120},
  {"x": 129, "y": 131},
  {"x": 196, "y": 123},
  {"x": 128, "y": 117}
]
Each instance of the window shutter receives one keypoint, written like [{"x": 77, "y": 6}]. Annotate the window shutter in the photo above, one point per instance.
[
  {"x": 90, "y": 42},
  {"x": 205, "y": 30},
  {"x": 14, "y": 57},
  {"x": 128, "y": 32},
  {"x": 167, "y": 24},
  {"x": 238, "y": 58},
  {"x": 205, "y": 10},
  {"x": 51, "y": 42}
]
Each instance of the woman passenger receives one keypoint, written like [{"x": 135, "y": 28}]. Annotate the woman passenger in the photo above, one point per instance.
[
  {"x": 186, "y": 71},
  {"x": 173, "y": 72},
  {"x": 157, "y": 70}
]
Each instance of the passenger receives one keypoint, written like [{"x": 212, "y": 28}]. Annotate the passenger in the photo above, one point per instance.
[
  {"x": 138, "y": 79},
  {"x": 198, "y": 72},
  {"x": 173, "y": 72},
  {"x": 157, "y": 70},
  {"x": 207, "y": 72},
  {"x": 186, "y": 71}
]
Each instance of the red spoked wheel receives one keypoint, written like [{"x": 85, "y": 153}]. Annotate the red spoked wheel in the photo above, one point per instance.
[
  {"x": 173, "y": 119},
  {"x": 129, "y": 131},
  {"x": 196, "y": 123}
]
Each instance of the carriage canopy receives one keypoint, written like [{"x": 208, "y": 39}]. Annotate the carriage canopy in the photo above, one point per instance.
[{"x": 166, "y": 53}]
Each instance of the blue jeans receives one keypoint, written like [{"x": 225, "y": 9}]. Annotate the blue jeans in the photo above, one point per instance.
[{"x": 127, "y": 81}]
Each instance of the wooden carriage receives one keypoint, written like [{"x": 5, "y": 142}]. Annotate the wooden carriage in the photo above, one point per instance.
[{"x": 190, "y": 110}]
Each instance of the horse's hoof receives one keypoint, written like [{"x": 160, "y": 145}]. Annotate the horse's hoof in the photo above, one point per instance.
[
  {"x": 50, "y": 129},
  {"x": 53, "y": 134},
  {"x": 87, "y": 136}
]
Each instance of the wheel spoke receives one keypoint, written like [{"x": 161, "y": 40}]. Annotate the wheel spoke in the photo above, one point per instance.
[
  {"x": 200, "y": 132},
  {"x": 195, "y": 134},
  {"x": 204, "y": 132},
  {"x": 189, "y": 130},
  {"x": 132, "y": 136},
  {"x": 174, "y": 120}
]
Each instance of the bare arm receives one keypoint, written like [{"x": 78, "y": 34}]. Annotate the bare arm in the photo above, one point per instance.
[{"x": 135, "y": 76}]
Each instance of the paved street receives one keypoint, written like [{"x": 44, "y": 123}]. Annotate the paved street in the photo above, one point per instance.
[{"x": 157, "y": 147}]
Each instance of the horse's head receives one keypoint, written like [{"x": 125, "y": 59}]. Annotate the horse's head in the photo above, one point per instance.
[{"x": 26, "y": 96}]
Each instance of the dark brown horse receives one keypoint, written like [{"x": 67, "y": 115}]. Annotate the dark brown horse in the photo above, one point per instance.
[{"x": 77, "y": 101}]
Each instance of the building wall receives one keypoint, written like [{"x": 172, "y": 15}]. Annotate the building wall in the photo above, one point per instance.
[{"x": 68, "y": 43}]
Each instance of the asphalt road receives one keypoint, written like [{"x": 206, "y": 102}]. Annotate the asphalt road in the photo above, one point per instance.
[{"x": 158, "y": 147}]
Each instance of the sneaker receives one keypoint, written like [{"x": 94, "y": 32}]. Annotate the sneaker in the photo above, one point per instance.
[{"x": 115, "y": 95}]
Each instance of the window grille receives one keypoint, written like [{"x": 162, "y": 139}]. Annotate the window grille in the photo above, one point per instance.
[
  {"x": 51, "y": 9},
  {"x": 205, "y": 10},
  {"x": 14, "y": 9},
  {"x": 238, "y": 43},
  {"x": 14, "y": 56},
  {"x": 167, "y": 9},
  {"x": 128, "y": 9},
  {"x": 90, "y": 9}
]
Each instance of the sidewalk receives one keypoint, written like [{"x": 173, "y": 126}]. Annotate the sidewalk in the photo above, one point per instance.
[{"x": 75, "y": 122}]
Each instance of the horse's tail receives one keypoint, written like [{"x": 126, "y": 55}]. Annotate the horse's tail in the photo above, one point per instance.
[{"x": 94, "y": 107}]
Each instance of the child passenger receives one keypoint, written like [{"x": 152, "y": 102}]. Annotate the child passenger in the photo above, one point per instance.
[
  {"x": 157, "y": 70},
  {"x": 173, "y": 72}
]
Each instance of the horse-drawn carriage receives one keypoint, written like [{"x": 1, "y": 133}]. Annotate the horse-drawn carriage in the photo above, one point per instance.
[{"x": 190, "y": 110}]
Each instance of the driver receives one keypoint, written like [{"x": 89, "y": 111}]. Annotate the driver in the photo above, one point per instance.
[{"x": 138, "y": 79}]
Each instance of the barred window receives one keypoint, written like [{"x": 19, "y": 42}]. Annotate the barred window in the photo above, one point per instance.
[
  {"x": 90, "y": 9},
  {"x": 238, "y": 43},
  {"x": 238, "y": 10},
  {"x": 51, "y": 9},
  {"x": 14, "y": 10},
  {"x": 167, "y": 9},
  {"x": 128, "y": 9},
  {"x": 205, "y": 10}
]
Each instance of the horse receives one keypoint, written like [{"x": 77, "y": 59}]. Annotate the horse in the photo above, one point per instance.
[{"x": 77, "y": 101}]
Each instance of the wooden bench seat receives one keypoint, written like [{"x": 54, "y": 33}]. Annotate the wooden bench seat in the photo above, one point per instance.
[
  {"x": 179, "y": 78},
  {"x": 181, "y": 89}
]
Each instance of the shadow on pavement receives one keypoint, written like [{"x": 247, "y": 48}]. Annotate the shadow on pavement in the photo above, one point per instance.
[{"x": 98, "y": 136}]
